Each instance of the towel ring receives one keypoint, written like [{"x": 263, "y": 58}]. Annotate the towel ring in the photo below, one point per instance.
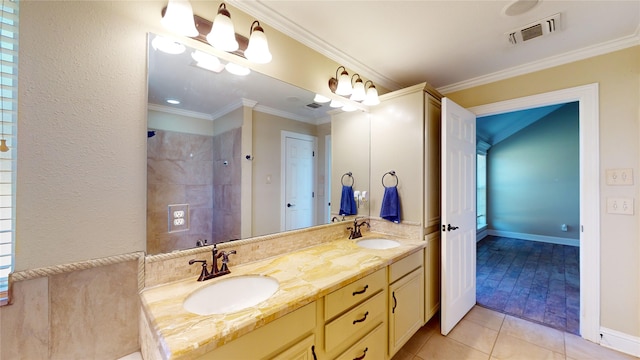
[
  {"x": 392, "y": 173},
  {"x": 349, "y": 174}
]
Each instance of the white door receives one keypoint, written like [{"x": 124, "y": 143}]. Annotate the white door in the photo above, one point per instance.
[
  {"x": 298, "y": 183},
  {"x": 458, "y": 214}
]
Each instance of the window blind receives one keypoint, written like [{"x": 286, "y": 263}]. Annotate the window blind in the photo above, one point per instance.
[{"x": 8, "y": 121}]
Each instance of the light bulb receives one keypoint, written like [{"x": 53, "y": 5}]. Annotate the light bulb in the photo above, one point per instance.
[
  {"x": 223, "y": 35},
  {"x": 372, "y": 96},
  {"x": 179, "y": 18},
  {"x": 258, "y": 48},
  {"x": 358, "y": 91},
  {"x": 167, "y": 46},
  {"x": 321, "y": 99},
  {"x": 344, "y": 84}
]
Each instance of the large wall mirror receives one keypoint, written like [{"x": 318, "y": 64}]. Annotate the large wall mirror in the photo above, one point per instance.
[{"x": 237, "y": 157}]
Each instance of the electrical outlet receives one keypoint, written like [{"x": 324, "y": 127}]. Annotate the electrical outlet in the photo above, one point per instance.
[
  {"x": 623, "y": 206},
  {"x": 178, "y": 217},
  {"x": 619, "y": 176}
]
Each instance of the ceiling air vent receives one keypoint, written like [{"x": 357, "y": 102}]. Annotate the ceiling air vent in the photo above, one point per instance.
[{"x": 544, "y": 27}]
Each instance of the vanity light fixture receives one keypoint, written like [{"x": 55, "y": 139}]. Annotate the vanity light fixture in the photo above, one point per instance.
[
  {"x": 179, "y": 18},
  {"x": 372, "y": 95},
  {"x": 341, "y": 85},
  {"x": 167, "y": 45},
  {"x": 349, "y": 108},
  {"x": 358, "y": 89},
  {"x": 258, "y": 48},
  {"x": 223, "y": 35}
]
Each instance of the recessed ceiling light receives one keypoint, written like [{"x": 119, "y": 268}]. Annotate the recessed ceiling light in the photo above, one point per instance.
[
  {"x": 173, "y": 101},
  {"x": 519, "y": 7}
]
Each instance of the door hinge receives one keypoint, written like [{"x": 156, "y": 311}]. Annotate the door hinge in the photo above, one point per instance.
[
  {"x": 313, "y": 153},
  {"x": 313, "y": 194}
]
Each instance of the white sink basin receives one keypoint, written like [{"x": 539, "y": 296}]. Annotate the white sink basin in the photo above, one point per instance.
[
  {"x": 231, "y": 294},
  {"x": 379, "y": 244}
]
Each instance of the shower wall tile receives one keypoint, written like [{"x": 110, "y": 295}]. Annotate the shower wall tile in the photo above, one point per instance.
[
  {"x": 24, "y": 328},
  {"x": 94, "y": 312}
]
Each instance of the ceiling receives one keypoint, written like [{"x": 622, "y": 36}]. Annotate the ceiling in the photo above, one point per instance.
[{"x": 449, "y": 44}]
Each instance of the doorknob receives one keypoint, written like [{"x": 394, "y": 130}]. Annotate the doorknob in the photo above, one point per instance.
[
  {"x": 448, "y": 227},
  {"x": 290, "y": 205}
]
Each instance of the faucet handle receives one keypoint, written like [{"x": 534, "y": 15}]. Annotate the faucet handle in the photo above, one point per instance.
[
  {"x": 225, "y": 260},
  {"x": 204, "y": 273}
]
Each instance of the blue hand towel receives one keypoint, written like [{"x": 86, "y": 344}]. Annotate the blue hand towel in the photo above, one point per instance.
[
  {"x": 390, "y": 209},
  {"x": 348, "y": 202}
]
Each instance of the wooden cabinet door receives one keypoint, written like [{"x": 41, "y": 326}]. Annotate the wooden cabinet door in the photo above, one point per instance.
[
  {"x": 406, "y": 309},
  {"x": 432, "y": 275},
  {"x": 300, "y": 351}
]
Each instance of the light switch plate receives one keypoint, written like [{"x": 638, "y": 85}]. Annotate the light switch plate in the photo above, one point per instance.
[
  {"x": 178, "y": 217},
  {"x": 623, "y": 206},
  {"x": 619, "y": 176}
]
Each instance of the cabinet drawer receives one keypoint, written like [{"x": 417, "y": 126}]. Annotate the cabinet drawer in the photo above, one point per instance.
[
  {"x": 354, "y": 293},
  {"x": 355, "y": 323},
  {"x": 371, "y": 347},
  {"x": 404, "y": 266}
]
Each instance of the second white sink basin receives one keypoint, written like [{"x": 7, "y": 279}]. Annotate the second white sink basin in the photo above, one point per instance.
[
  {"x": 379, "y": 244},
  {"x": 231, "y": 295}
]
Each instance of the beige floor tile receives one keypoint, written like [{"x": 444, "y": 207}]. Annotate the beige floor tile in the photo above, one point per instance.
[
  {"x": 540, "y": 335},
  {"x": 579, "y": 348},
  {"x": 415, "y": 343},
  {"x": 439, "y": 347},
  {"x": 402, "y": 354},
  {"x": 474, "y": 335},
  {"x": 485, "y": 317},
  {"x": 512, "y": 348}
]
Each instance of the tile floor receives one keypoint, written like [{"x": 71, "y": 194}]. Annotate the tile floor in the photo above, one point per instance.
[
  {"x": 484, "y": 334},
  {"x": 529, "y": 279}
]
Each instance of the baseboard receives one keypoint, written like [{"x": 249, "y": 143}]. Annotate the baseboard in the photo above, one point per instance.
[
  {"x": 620, "y": 341},
  {"x": 533, "y": 237},
  {"x": 481, "y": 234}
]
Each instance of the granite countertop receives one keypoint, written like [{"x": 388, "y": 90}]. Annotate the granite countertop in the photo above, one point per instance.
[{"x": 305, "y": 275}]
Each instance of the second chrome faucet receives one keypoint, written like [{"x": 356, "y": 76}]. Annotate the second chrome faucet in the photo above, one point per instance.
[{"x": 205, "y": 274}]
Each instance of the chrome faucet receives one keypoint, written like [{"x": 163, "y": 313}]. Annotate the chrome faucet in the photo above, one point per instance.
[
  {"x": 354, "y": 231},
  {"x": 224, "y": 269}
]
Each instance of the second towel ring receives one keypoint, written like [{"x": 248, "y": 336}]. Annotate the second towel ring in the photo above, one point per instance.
[
  {"x": 349, "y": 174},
  {"x": 392, "y": 173}
]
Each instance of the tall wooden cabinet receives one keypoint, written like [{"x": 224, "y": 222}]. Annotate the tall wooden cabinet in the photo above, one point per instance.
[{"x": 405, "y": 138}]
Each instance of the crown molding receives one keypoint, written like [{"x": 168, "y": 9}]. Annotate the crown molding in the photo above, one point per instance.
[
  {"x": 568, "y": 57},
  {"x": 294, "y": 31},
  {"x": 181, "y": 112}
]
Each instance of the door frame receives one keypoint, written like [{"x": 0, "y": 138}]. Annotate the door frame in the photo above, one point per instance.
[
  {"x": 283, "y": 172},
  {"x": 587, "y": 97}
]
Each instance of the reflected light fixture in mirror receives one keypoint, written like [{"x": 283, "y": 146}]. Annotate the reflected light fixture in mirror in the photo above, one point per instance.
[
  {"x": 207, "y": 61},
  {"x": 178, "y": 18},
  {"x": 236, "y": 69},
  {"x": 167, "y": 45},
  {"x": 321, "y": 99},
  {"x": 258, "y": 48},
  {"x": 223, "y": 35}
]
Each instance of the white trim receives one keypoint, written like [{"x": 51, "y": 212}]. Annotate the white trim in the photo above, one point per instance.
[
  {"x": 327, "y": 179},
  {"x": 481, "y": 233},
  {"x": 620, "y": 341},
  {"x": 587, "y": 96},
  {"x": 283, "y": 172},
  {"x": 181, "y": 112},
  {"x": 534, "y": 237},
  {"x": 561, "y": 59}
]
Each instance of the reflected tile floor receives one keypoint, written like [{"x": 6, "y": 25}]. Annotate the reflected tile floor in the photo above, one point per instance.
[
  {"x": 485, "y": 334},
  {"x": 529, "y": 279}
]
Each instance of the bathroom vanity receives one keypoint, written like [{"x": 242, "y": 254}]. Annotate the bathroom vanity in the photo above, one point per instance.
[{"x": 335, "y": 300}]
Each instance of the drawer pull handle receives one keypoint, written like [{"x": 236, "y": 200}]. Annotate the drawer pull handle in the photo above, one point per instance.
[
  {"x": 364, "y": 353},
  {"x": 395, "y": 302},
  {"x": 313, "y": 351},
  {"x": 361, "y": 320},
  {"x": 361, "y": 291}
]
